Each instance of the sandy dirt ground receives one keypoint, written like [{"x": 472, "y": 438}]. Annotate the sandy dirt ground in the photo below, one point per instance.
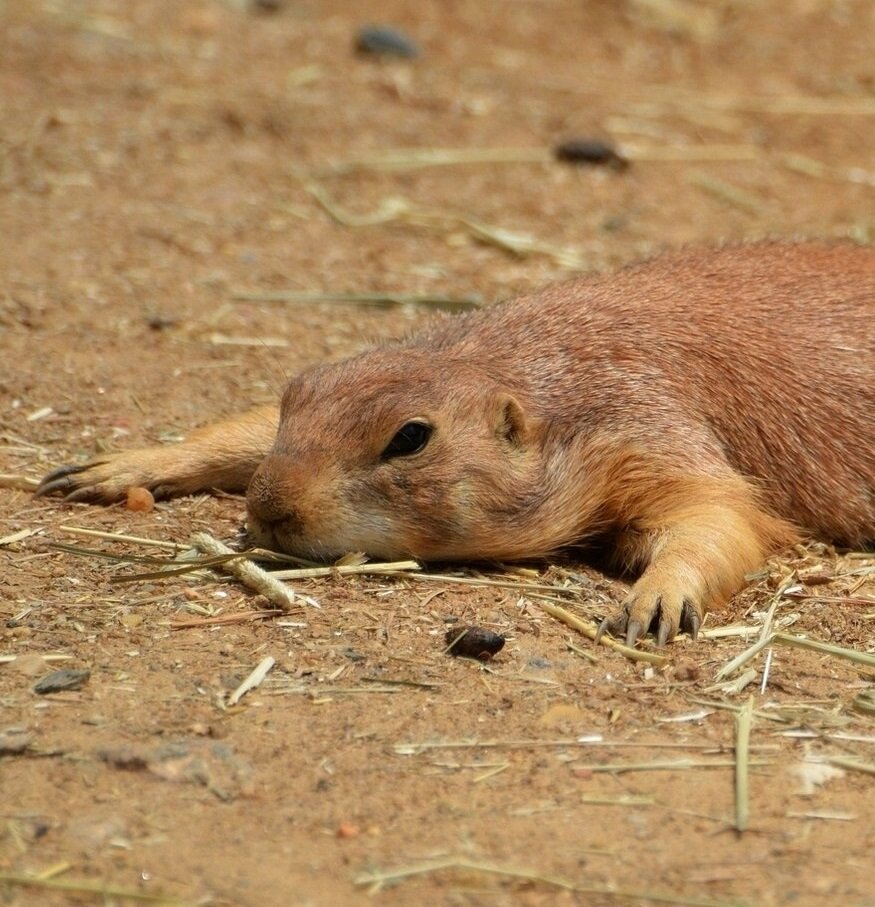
[{"x": 162, "y": 164}]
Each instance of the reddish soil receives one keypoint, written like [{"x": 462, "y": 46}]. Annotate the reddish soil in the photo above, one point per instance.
[{"x": 150, "y": 164}]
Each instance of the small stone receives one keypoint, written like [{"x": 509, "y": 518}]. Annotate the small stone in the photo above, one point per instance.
[
  {"x": 347, "y": 830},
  {"x": 383, "y": 41},
  {"x": 65, "y": 679}
]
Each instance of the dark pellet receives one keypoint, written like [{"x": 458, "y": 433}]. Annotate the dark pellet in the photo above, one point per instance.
[
  {"x": 473, "y": 642},
  {"x": 590, "y": 151}
]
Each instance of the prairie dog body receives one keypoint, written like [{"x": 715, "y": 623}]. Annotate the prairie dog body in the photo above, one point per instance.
[{"x": 702, "y": 409}]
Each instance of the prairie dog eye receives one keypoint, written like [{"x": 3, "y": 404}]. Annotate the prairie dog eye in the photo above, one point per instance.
[{"x": 409, "y": 439}]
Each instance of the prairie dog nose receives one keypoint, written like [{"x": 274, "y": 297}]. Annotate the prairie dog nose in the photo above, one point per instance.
[{"x": 269, "y": 499}]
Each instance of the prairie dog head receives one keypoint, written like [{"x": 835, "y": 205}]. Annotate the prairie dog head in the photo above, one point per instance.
[{"x": 397, "y": 453}]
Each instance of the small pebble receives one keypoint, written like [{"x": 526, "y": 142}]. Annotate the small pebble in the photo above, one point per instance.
[
  {"x": 382, "y": 41},
  {"x": 140, "y": 500},
  {"x": 590, "y": 151},
  {"x": 347, "y": 830},
  {"x": 473, "y": 642},
  {"x": 65, "y": 679}
]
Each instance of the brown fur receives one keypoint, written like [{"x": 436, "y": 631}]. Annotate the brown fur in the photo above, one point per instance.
[{"x": 703, "y": 408}]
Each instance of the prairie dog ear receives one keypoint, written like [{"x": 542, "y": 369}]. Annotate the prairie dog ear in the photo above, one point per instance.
[{"x": 510, "y": 420}]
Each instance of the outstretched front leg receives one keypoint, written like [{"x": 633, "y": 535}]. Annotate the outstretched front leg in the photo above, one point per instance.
[
  {"x": 695, "y": 539},
  {"x": 222, "y": 456}
]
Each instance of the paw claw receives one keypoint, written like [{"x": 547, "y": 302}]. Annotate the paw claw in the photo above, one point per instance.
[
  {"x": 655, "y": 612},
  {"x": 103, "y": 481},
  {"x": 85, "y": 495},
  {"x": 690, "y": 620},
  {"x": 663, "y": 633},
  {"x": 633, "y": 631},
  {"x": 47, "y": 487},
  {"x": 58, "y": 480}
]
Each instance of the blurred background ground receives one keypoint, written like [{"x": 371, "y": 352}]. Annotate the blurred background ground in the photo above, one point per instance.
[{"x": 157, "y": 161}]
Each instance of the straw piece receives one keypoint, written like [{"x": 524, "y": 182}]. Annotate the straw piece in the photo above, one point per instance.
[
  {"x": 118, "y": 537},
  {"x": 825, "y": 648},
  {"x": 247, "y": 572},
  {"x": 727, "y": 193},
  {"x": 19, "y": 536},
  {"x": 515, "y": 242},
  {"x": 743, "y": 722},
  {"x": 18, "y": 482},
  {"x": 375, "y": 299},
  {"x": 253, "y": 680},
  {"x": 590, "y": 630},
  {"x": 86, "y": 886},
  {"x": 346, "y": 570},
  {"x": 853, "y": 765},
  {"x": 675, "y": 765},
  {"x": 395, "y": 159},
  {"x": 375, "y": 879}
]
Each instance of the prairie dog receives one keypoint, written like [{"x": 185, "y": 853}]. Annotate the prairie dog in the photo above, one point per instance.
[{"x": 700, "y": 410}]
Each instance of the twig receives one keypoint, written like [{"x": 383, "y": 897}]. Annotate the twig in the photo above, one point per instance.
[
  {"x": 253, "y": 680},
  {"x": 589, "y": 630},
  {"x": 376, "y": 299},
  {"x": 520, "y": 244},
  {"x": 690, "y": 153},
  {"x": 19, "y": 536},
  {"x": 800, "y": 642},
  {"x": 18, "y": 482},
  {"x": 346, "y": 570},
  {"x": 731, "y": 707},
  {"x": 115, "y": 536},
  {"x": 134, "y": 559},
  {"x": 727, "y": 193},
  {"x": 740, "y": 660},
  {"x": 743, "y": 722},
  {"x": 238, "y": 617},
  {"x": 377, "y": 879},
  {"x": 415, "y": 158},
  {"x": 801, "y": 163},
  {"x": 84, "y": 886},
  {"x": 853, "y": 765},
  {"x": 8, "y": 659},
  {"x": 247, "y": 572},
  {"x": 521, "y": 587},
  {"x": 413, "y": 749},
  {"x": 400, "y": 159},
  {"x": 619, "y": 768}
]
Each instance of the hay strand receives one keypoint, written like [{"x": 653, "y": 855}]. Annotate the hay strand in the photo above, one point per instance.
[
  {"x": 590, "y": 630},
  {"x": 247, "y": 573},
  {"x": 743, "y": 723},
  {"x": 255, "y": 679}
]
